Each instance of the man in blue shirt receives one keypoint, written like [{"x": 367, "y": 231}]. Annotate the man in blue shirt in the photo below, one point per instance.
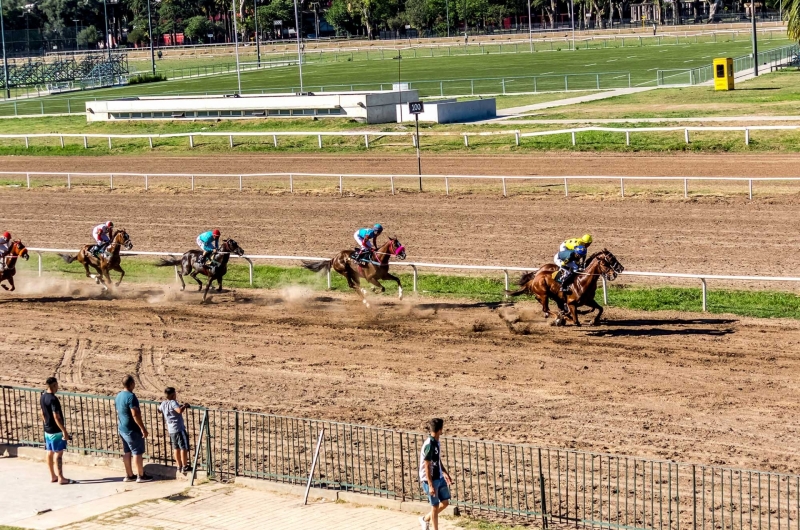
[
  {"x": 208, "y": 243},
  {"x": 132, "y": 431},
  {"x": 434, "y": 477},
  {"x": 367, "y": 241}
]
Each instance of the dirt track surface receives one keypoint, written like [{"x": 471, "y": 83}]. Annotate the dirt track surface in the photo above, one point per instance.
[
  {"x": 680, "y": 386},
  {"x": 725, "y": 165}
]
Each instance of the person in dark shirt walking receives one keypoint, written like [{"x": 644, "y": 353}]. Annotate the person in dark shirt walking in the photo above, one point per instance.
[
  {"x": 132, "y": 431},
  {"x": 55, "y": 432},
  {"x": 433, "y": 476}
]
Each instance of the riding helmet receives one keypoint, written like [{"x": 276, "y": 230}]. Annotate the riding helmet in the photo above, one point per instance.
[
  {"x": 586, "y": 239},
  {"x": 215, "y": 232},
  {"x": 580, "y": 250},
  {"x": 110, "y": 224},
  {"x": 7, "y": 235},
  {"x": 378, "y": 227}
]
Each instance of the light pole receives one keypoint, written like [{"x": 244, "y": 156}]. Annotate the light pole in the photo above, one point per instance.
[
  {"x": 5, "y": 60},
  {"x": 530, "y": 27},
  {"x": 108, "y": 36},
  {"x": 77, "y": 46},
  {"x": 572, "y": 21},
  {"x": 299, "y": 51},
  {"x": 150, "y": 38},
  {"x": 258, "y": 43},
  {"x": 399, "y": 92},
  {"x": 466, "y": 28},
  {"x": 755, "y": 37},
  {"x": 236, "y": 46}
]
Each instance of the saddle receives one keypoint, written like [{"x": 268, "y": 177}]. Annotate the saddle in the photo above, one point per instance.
[{"x": 362, "y": 257}]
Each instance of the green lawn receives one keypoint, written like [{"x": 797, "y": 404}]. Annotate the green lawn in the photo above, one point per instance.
[
  {"x": 775, "y": 94},
  {"x": 766, "y": 304},
  {"x": 439, "y": 74}
]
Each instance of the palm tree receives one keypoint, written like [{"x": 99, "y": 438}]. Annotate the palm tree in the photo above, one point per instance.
[{"x": 791, "y": 13}]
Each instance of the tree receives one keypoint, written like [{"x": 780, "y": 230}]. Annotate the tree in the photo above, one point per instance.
[
  {"x": 282, "y": 10},
  {"x": 197, "y": 28},
  {"x": 339, "y": 16},
  {"x": 88, "y": 36},
  {"x": 791, "y": 14}
]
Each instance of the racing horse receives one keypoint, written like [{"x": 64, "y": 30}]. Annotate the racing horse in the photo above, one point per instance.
[
  {"x": 543, "y": 285},
  {"x": 16, "y": 250},
  {"x": 190, "y": 266},
  {"x": 108, "y": 261},
  {"x": 373, "y": 272}
]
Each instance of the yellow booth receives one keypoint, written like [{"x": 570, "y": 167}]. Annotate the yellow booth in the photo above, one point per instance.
[{"x": 723, "y": 74}]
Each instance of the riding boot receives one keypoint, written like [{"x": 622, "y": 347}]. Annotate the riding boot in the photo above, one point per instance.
[{"x": 566, "y": 280}]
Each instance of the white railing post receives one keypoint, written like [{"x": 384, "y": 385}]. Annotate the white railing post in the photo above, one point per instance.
[
  {"x": 27, "y": 143},
  {"x": 291, "y": 183},
  {"x": 319, "y": 140},
  {"x": 627, "y": 138},
  {"x": 191, "y": 142},
  {"x": 516, "y": 137},
  {"x": 685, "y": 188},
  {"x": 705, "y": 295},
  {"x": 341, "y": 186},
  {"x": 686, "y": 135},
  {"x": 69, "y": 181},
  {"x": 504, "y": 187},
  {"x": 391, "y": 181},
  {"x": 86, "y": 143},
  {"x": 111, "y": 181},
  {"x": 750, "y": 185},
  {"x": 192, "y": 182},
  {"x": 329, "y": 279},
  {"x": 605, "y": 290},
  {"x": 230, "y": 140},
  {"x": 622, "y": 186},
  {"x": 240, "y": 183},
  {"x": 146, "y": 183},
  {"x": 39, "y": 255},
  {"x": 746, "y": 136},
  {"x": 505, "y": 273},
  {"x": 366, "y": 141},
  {"x": 573, "y": 137},
  {"x": 62, "y": 141},
  {"x": 150, "y": 139},
  {"x": 250, "y": 266},
  {"x": 275, "y": 140},
  {"x": 446, "y": 186},
  {"x": 566, "y": 188},
  {"x": 109, "y": 142},
  {"x": 466, "y": 141},
  {"x": 28, "y": 180},
  {"x": 414, "y": 269}
]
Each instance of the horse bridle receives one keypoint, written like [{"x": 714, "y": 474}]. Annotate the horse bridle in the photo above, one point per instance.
[
  {"x": 613, "y": 270},
  {"x": 395, "y": 250}
]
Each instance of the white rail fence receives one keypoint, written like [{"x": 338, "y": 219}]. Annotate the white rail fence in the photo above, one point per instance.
[
  {"x": 240, "y": 179},
  {"x": 415, "y": 266},
  {"x": 367, "y": 135}
]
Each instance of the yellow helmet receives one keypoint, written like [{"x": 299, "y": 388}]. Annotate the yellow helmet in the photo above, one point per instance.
[{"x": 586, "y": 239}]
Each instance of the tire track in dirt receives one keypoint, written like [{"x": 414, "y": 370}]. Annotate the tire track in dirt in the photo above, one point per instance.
[
  {"x": 146, "y": 370},
  {"x": 70, "y": 369}
]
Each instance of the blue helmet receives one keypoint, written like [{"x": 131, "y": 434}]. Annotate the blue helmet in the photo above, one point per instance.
[
  {"x": 377, "y": 227},
  {"x": 580, "y": 250}
]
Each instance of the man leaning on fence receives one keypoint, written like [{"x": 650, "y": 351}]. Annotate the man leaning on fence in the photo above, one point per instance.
[
  {"x": 434, "y": 477},
  {"x": 131, "y": 430},
  {"x": 55, "y": 432}
]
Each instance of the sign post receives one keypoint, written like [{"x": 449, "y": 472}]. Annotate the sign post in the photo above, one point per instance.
[{"x": 416, "y": 108}]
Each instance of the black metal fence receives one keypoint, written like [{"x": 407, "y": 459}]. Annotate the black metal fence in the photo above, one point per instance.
[{"x": 515, "y": 480}]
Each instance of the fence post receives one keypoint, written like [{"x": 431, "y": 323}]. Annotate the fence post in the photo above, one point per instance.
[
  {"x": 605, "y": 290},
  {"x": 291, "y": 183},
  {"x": 240, "y": 183},
  {"x": 313, "y": 465},
  {"x": 622, "y": 186},
  {"x": 441, "y": 88},
  {"x": 192, "y": 182},
  {"x": 319, "y": 140},
  {"x": 505, "y": 273},
  {"x": 209, "y": 461},
  {"x": 694, "y": 497},
  {"x": 746, "y": 136},
  {"x": 446, "y": 186},
  {"x": 598, "y": 81},
  {"x": 503, "y": 81},
  {"x": 704, "y": 294},
  {"x": 750, "y": 184},
  {"x": 685, "y": 188},
  {"x": 145, "y": 182},
  {"x": 414, "y": 268},
  {"x": 341, "y": 187},
  {"x": 62, "y": 141},
  {"x": 402, "y": 471},
  {"x": 541, "y": 491},
  {"x": 39, "y": 255},
  {"x": 27, "y": 144},
  {"x": 203, "y": 428},
  {"x": 111, "y": 181},
  {"x": 191, "y": 142},
  {"x": 366, "y": 141},
  {"x": 250, "y": 266},
  {"x": 329, "y": 279},
  {"x": 566, "y": 188},
  {"x": 69, "y": 181},
  {"x": 573, "y": 137},
  {"x": 504, "y": 193},
  {"x": 686, "y": 135},
  {"x": 566, "y": 84},
  {"x": 516, "y": 138},
  {"x": 275, "y": 140},
  {"x": 466, "y": 140},
  {"x": 391, "y": 181},
  {"x": 236, "y": 445},
  {"x": 28, "y": 180},
  {"x": 627, "y": 138},
  {"x": 230, "y": 140},
  {"x": 150, "y": 139}
]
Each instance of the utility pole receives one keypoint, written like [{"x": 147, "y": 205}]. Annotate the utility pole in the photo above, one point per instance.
[
  {"x": 258, "y": 43},
  {"x": 447, "y": 13},
  {"x": 236, "y": 46},
  {"x": 530, "y": 27},
  {"x": 150, "y": 38},
  {"x": 755, "y": 37},
  {"x": 297, "y": 31},
  {"x": 77, "y": 46},
  {"x": 108, "y": 35},
  {"x": 5, "y": 60}
]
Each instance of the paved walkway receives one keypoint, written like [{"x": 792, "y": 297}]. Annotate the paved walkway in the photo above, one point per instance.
[{"x": 102, "y": 502}]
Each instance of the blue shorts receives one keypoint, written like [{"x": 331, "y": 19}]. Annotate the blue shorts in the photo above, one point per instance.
[
  {"x": 180, "y": 440},
  {"x": 132, "y": 442},
  {"x": 54, "y": 442},
  {"x": 442, "y": 491}
]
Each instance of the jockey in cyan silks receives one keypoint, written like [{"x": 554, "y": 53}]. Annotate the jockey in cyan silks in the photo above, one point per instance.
[
  {"x": 366, "y": 239},
  {"x": 102, "y": 237},
  {"x": 570, "y": 257},
  {"x": 5, "y": 248},
  {"x": 209, "y": 243}
]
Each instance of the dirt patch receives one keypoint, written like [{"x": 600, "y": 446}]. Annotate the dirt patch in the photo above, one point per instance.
[{"x": 674, "y": 386}]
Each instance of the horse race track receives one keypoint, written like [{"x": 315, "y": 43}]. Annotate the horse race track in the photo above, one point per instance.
[{"x": 712, "y": 389}]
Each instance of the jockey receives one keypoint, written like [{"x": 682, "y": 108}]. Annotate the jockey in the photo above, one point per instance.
[
  {"x": 102, "y": 237},
  {"x": 571, "y": 244},
  {"x": 5, "y": 247},
  {"x": 366, "y": 239},
  {"x": 208, "y": 243},
  {"x": 570, "y": 262}
]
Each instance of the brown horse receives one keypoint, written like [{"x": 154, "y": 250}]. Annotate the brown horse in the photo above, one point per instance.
[
  {"x": 375, "y": 270},
  {"x": 543, "y": 286},
  {"x": 108, "y": 260},
  {"x": 16, "y": 250},
  {"x": 189, "y": 265}
]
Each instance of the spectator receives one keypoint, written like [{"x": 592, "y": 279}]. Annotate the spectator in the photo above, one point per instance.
[
  {"x": 173, "y": 416},
  {"x": 435, "y": 479},
  {"x": 132, "y": 431},
  {"x": 55, "y": 433}
]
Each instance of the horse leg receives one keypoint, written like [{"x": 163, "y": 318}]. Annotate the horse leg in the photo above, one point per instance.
[
  {"x": 597, "y": 307},
  {"x": 121, "y": 275},
  {"x": 399, "y": 285},
  {"x": 545, "y": 301},
  {"x": 208, "y": 285},
  {"x": 11, "y": 282},
  {"x": 219, "y": 284},
  {"x": 378, "y": 287},
  {"x": 193, "y": 274},
  {"x": 573, "y": 313}
]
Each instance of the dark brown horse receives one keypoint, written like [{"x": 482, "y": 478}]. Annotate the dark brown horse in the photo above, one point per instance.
[
  {"x": 16, "y": 250},
  {"x": 108, "y": 261},
  {"x": 374, "y": 271},
  {"x": 190, "y": 266},
  {"x": 543, "y": 285}
]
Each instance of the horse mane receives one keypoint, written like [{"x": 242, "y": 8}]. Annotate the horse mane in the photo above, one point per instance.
[{"x": 593, "y": 256}]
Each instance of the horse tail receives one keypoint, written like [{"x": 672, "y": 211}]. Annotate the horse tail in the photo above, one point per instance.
[
  {"x": 171, "y": 262},
  {"x": 525, "y": 278},
  {"x": 318, "y": 266},
  {"x": 68, "y": 257}
]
